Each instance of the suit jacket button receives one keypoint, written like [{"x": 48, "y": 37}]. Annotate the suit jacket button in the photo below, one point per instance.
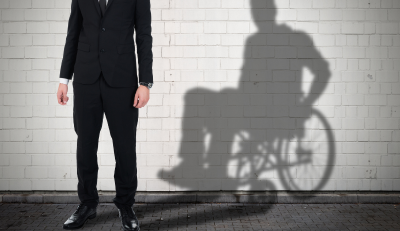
[
  {"x": 102, "y": 50},
  {"x": 103, "y": 29}
]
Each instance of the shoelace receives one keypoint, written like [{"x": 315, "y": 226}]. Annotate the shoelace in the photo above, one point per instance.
[
  {"x": 127, "y": 211},
  {"x": 79, "y": 207}
]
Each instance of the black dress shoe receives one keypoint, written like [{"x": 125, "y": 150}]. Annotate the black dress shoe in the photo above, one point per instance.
[
  {"x": 128, "y": 218},
  {"x": 79, "y": 217}
]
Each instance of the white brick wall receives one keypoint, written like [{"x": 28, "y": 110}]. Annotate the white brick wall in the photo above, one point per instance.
[{"x": 224, "y": 112}]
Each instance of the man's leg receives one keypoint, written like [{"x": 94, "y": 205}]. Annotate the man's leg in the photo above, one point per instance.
[
  {"x": 88, "y": 120},
  {"x": 122, "y": 119}
]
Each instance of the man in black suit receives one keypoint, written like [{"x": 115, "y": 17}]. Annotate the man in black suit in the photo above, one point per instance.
[{"x": 100, "y": 52}]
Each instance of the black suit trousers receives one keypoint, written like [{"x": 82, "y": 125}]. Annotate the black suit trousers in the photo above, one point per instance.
[{"x": 90, "y": 103}]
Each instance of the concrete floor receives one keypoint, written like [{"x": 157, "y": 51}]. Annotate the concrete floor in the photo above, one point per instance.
[{"x": 216, "y": 216}]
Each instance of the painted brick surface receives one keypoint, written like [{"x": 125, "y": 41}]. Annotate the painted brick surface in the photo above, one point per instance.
[{"x": 248, "y": 95}]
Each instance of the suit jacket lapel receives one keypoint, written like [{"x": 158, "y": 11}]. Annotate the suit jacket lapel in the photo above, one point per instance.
[
  {"x": 97, "y": 5},
  {"x": 108, "y": 6}
]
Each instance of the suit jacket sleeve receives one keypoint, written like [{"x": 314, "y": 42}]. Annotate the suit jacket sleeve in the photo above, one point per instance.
[
  {"x": 71, "y": 43},
  {"x": 144, "y": 40}
]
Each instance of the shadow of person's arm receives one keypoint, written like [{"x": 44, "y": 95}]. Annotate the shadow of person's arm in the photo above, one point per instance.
[{"x": 322, "y": 74}]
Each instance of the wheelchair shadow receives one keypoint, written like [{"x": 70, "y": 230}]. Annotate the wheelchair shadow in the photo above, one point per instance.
[
  {"x": 263, "y": 135},
  {"x": 227, "y": 134}
]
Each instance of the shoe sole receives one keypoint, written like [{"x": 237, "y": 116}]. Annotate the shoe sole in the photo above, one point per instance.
[
  {"x": 88, "y": 218},
  {"x": 128, "y": 229}
]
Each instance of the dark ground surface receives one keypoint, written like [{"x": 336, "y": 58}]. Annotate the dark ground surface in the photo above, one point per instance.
[{"x": 216, "y": 216}]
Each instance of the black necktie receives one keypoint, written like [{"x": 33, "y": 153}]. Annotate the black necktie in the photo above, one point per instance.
[{"x": 102, "y": 6}]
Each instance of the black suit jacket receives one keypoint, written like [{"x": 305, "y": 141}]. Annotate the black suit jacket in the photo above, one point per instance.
[{"x": 95, "y": 43}]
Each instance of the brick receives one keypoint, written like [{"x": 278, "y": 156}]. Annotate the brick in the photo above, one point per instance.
[
  {"x": 184, "y": 4},
  {"x": 304, "y": 4},
  {"x": 172, "y": 14},
  {"x": 210, "y": 4},
  {"x": 215, "y": 27},
  {"x": 194, "y": 14},
  {"x": 387, "y": 28},
  {"x": 216, "y": 15},
  {"x": 35, "y": 15},
  {"x": 308, "y": 15}
]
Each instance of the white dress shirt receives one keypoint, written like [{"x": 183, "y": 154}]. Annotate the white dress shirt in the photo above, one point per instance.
[{"x": 64, "y": 80}]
